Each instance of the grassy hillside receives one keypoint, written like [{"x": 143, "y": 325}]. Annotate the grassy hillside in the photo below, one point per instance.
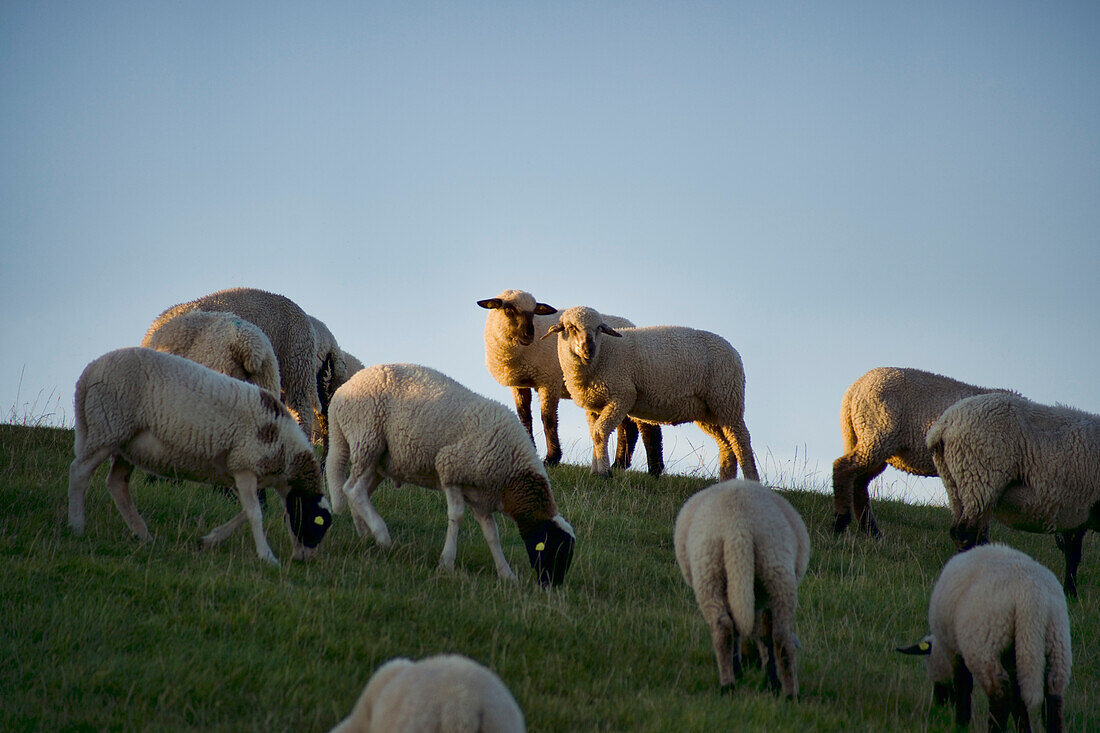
[{"x": 102, "y": 632}]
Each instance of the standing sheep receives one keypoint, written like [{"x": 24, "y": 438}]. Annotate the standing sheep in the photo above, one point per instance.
[
  {"x": 1033, "y": 467},
  {"x": 411, "y": 423},
  {"x": 884, "y": 417},
  {"x": 517, "y": 360},
  {"x": 447, "y": 692},
  {"x": 173, "y": 417},
  {"x": 660, "y": 374},
  {"x": 743, "y": 549},
  {"x": 222, "y": 341},
  {"x": 287, "y": 327},
  {"x": 998, "y": 616}
]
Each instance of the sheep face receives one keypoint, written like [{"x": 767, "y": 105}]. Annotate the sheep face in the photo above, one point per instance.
[
  {"x": 518, "y": 309},
  {"x": 309, "y": 516},
  {"x": 580, "y": 328},
  {"x": 968, "y": 534},
  {"x": 550, "y": 548}
]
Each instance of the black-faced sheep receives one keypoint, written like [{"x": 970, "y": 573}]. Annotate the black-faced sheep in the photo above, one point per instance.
[
  {"x": 411, "y": 423},
  {"x": 743, "y": 549},
  {"x": 518, "y": 360},
  {"x": 448, "y": 692},
  {"x": 1033, "y": 467},
  {"x": 176, "y": 418},
  {"x": 660, "y": 374},
  {"x": 998, "y": 616},
  {"x": 883, "y": 418}
]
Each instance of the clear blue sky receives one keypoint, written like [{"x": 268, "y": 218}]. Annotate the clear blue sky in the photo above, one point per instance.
[{"x": 830, "y": 186}]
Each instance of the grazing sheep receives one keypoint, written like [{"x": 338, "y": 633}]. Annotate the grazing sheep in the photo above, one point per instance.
[
  {"x": 287, "y": 327},
  {"x": 411, "y": 423},
  {"x": 517, "y": 360},
  {"x": 447, "y": 692},
  {"x": 1033, "y": 467},
  {"x": 332, "y": 371},
  {"x": 222, "y": 341},
  {"x": 999, "y": 616},
  {"x": 171, "y": 416},
  {"x": 660, "y": 374},
  {"x": 743, "y": 549},
  {"x": 883, "y": 417}
]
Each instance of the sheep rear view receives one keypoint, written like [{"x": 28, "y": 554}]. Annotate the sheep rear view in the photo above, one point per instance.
[
  {"x": 411, "y": 423},
  {"x": 176, "y": 418},
  {"x": 516, "y": 359},
  {"x": 998, "y": 616},
  {"x": 447, "y": 692},
  {"x": 287, "y": 327},
  {"x": 884, "y": 417},
  {"x": 658, "y": 374},
  {"x": 1033, "y": 467},
  {"x": 743, "y": 549}
]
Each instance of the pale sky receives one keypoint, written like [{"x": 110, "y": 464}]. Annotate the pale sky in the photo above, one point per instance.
[{"x": 830, "y": 186}]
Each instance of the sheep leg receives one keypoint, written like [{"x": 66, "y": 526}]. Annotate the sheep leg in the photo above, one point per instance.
[
  {"x": 601, "y": 425},
  {"x": 522, "y": 398},
  {"x": 118, "y": 483},
  {"x": 963, "y": 687},
  {"x": 724, "y": 639},
  {"x": 727, "y": 458},
  {"x": 548, "y": 408},
  {"x": 222, "y": 532},
  {"x": 80, "y": 473},
  {"x": 456, "y": 507},
  {"x": 492, "y": 537},
  {"x": 1052, "y": 713},
  {"x": 626, "y": 437},
  {"x": 852, "y": 474},
  {"x": 737, "y": 435},
  {"x": 783, "y": 641},
  {"x": 1070, "y": 544},
  {"x": 651, "y": 439},
  {"x": 358, "y": 490},
  {"x": 246, "y": 489}
]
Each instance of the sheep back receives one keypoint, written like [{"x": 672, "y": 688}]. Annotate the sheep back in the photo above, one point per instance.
[{"x": 222, "y": 341}]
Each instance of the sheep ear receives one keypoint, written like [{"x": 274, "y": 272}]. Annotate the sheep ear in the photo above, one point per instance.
[
  {"x": 921, "y": 648},
  {"x": 556, "y": 328},
  {"x": 542, "y": 309},
  {"x": 604, "y": 328},
  {"x": 490, "y": 303}
]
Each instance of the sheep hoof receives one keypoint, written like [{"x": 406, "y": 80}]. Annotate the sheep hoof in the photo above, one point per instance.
[
  {"x": 551, "y": 460},
  {"x": 841, "y": 522}
]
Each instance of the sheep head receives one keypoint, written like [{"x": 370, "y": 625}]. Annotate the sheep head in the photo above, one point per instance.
[
  {"x": 308, "y": 512},
  {"x": 580, "y": 328},
  {"x": 517, "y": 309},
  {"x": 550, "y": 548}
]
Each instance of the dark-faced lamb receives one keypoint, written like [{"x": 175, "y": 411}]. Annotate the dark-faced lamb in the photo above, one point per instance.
[
  {"x": 176, "y": 418},
  {"x": 518, "y": 360},
  {"x": 660, "y": 374},
  {"x": 411, "y": 423}
]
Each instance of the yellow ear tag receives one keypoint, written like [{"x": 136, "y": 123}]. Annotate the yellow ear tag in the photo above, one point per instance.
[
  {"x": 924, "y": 646},
  {"x": 540, "y": 547},
  {"x": 319, "y": 520}
]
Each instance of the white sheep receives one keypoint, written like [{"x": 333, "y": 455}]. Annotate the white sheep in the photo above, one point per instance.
[
  {"x": 448, "y": 692},
  {"x": 884, "y": 417},
  {"x": 176, "y": 418},
  {"x": 287, "y": 327},
  {"x": 1033, "y": 467},
  {"x": 743, "y": 549},
  {"x": 411, "y": 423},
  {"x": 223, "y": 341},
  {"x": 659, "y": 374},
  {"x": 519, "y": 361},
  {"x": 999, "y": 616}
]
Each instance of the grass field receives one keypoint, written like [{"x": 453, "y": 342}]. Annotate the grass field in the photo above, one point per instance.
[{"x": 105, "y": 633}]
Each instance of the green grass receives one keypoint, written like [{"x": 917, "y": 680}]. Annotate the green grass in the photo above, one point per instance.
[{"x": 102, "y": 632}]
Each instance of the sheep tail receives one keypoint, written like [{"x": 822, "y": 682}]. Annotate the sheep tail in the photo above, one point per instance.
[
  {"x": 1031, "y": 647},
  {"x": 336, "y": 466},
  {"x": 740, "y": 561}
]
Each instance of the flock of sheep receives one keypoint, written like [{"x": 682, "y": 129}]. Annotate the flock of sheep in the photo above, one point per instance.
[{"x": 232, "y": 387}]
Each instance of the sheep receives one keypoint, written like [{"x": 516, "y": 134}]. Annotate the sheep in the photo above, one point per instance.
[
  {"x": 743, "y": 549},
  {"x": 883, "y": 417},
  {"x": 411, "y": 423},
  {"x": 999, "y": 616},
  {"x": 222, "y": 341},
  {"x": 332, "y": 371},
  {"x": 352, "y": 362},
  {"x": 1033, "y": 467},
  {"x": 659, "y": 374},
  {"x": 446, "y": 692},
  {"x": 291, "y": 334},
  {"x": 174, "y": 417},
  {"x": 517, "y": 360}
]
